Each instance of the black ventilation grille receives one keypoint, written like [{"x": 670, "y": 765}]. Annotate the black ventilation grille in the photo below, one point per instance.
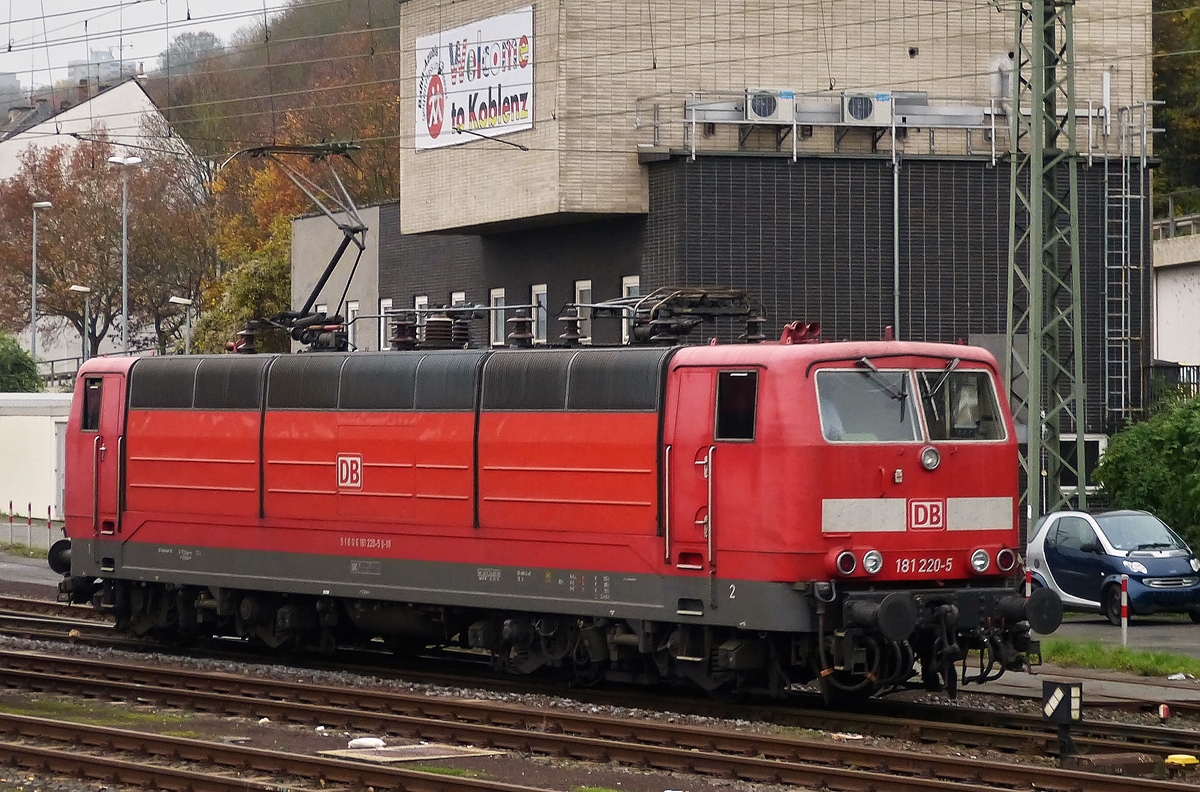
[
  {"x": 380, "y": 381},
  {"x": 163, "y": 383},
  {"x": 446, "y": 381},
  {"x": 305, "y": 382},
  {"x": 231, "y": 382},
  {"x": 616, "y": 379},
  {"x": 534, "y": 379}
]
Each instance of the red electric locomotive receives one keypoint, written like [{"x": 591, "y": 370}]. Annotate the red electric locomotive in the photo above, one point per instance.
[{"x": 752, "y": 516}]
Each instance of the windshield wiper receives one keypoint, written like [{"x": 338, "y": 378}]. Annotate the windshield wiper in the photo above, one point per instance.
[
  {"x": 1153, "y": 545},
  {"x": 937, "y": 386},
  {"x": 877, "y": 377}
]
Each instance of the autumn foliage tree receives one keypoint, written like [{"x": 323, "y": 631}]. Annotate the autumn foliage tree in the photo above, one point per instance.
[{"x": 80, "y": 240}]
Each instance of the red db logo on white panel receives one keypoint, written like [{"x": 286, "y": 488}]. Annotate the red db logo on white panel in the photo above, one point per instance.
[
  {"x": 349, "y": 471},
  {"x": 926, "y": 514}
]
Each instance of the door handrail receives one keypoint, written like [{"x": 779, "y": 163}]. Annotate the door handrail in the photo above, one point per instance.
[
  {"x": 667, "y": 504},
  {"x": 96, "y": 449}
]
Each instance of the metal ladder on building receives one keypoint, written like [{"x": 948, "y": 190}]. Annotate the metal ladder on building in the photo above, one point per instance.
[{"x": 1124, "y": 196}]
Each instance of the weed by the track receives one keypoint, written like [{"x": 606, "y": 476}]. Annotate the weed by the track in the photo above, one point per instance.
[
  {"x": 461, "y": 772},
  {"x": 1091, "y": 654},
  {"x": 593, "y": 789},
  {"x": 96, "y": 714},
  {"x": 23, "y": 550}
]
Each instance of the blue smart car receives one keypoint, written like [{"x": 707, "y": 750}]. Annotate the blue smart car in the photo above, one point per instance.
[{"x": 1082, "y": 556}]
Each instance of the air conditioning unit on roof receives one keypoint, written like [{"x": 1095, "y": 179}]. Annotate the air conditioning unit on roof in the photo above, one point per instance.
[
  {"x": 862, "y": 108},
  {"x": 770, "y": 107}
]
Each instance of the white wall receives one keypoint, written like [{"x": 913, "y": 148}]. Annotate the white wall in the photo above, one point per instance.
[
  {"x": 314, "y": 241},
  {"x": 1177, "y": 299},
  {"x": 29, "y": 453}
]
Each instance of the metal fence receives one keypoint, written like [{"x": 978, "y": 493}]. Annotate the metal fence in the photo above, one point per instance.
[
  {"x": 1181, "y": 225},
  {"x": 1172, "y": 381}
]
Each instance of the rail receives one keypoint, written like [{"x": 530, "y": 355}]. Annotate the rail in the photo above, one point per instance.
[
  {"x": 59, "y": 371},
  {"x": 1176, "y": 225}
]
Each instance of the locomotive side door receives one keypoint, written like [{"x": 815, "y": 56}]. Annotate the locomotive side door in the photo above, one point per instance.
[
  {"x": 101, "y": 421},
  {"x": 690, "y": 462}
]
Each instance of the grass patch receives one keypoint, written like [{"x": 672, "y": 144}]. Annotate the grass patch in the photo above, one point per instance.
[
  {"x": 24, "y": 550},
  {"x": 1090, "y": 654},
  {"x": 460, "y": 772},
  {"x": 593, "y": 789},
  {"x": 96, "y": 714}
]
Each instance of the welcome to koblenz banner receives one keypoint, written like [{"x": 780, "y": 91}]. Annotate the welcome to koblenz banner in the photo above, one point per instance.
[{"x": 477, "y": 77}]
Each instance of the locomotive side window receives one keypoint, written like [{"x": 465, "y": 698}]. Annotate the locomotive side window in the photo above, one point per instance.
[
  {"x": 960, "y": 405},
  {"x": 866, "y": 406},
  {"x": 737, "y": 399},
  {"x": 92, "y": 388}
]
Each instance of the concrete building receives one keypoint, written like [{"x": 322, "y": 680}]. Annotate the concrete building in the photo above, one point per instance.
[
  {"x": 825, "y": 156},
  {"x": 1176, "y": 286}
]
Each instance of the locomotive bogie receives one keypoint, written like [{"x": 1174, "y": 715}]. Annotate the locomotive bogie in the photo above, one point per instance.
[{"x": 754, "y": 515}]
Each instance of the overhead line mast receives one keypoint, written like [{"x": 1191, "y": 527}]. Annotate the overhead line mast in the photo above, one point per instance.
[{"x": 1046, "y": 387}]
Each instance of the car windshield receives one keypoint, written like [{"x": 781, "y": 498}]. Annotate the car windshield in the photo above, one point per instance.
[
  {"x": 866, "y": 406},
  {"x": 960, "y": 405},
  {"x": 1138, "y": 532}
]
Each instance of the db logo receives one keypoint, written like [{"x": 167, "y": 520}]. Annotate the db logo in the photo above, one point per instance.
[
  {"x": 435, "y": 105},
  {"x": 926, "y": 514},
  {"x": 349, "y": 471}
]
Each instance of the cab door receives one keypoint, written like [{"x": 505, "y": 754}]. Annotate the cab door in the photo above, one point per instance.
[
  {"x": 99, "y": 456},
  {"x": 713, "y": 420},
  {"x": 690, "y": 463}
]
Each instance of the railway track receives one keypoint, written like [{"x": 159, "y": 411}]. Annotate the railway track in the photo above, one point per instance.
[
  {"x": 124, "y": 757},
  {"x": 643, "y": 744}
]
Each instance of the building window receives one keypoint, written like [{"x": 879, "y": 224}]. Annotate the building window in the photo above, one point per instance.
[
  {"x": 631, "y": 286},
  {"x": 458, "y": 298},
  {"x": 419, "y": 302},
  {"x": 537, "y": 298},
  {"x": 351, "y": 324},
  {"x": 583, "y": 296},
  {"x": 737, "y": 395},
  {"x": 385, "y": 308},
  {"x": 496, "y": 300}
]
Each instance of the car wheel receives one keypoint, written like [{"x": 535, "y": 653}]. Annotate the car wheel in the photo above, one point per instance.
[{"x": 1111, "y": 604}]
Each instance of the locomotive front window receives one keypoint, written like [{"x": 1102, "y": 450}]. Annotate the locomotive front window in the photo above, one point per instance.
[
  {"x": 960, "y": 405},
  {"x": 866, "y": 406}
]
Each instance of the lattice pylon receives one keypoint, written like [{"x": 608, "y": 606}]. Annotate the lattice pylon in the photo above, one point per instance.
[{"x": 1046, "y": 388}]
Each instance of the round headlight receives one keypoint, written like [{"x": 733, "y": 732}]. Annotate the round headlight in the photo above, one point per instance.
[
  {"x": 930, "y": 458},
  {"x": 1195, "y": 564},
  {"x": 980, "y": 560},
  {"x": 1006, "y": 559},
  {"x": 846, "y": 562},
  {"x": 872, "y": 562}
]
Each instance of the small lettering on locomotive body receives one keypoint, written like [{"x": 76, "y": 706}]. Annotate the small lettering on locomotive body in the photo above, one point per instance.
[
  {"x": 364, "y": 567},
  {"x": 488, "y": 574},
  {"x": 365, "y": 542}
]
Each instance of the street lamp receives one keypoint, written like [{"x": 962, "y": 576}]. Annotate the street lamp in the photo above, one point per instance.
[
  {"x": 87, "y": 316},
  {"x": 33, "y": 292},
  {"x": 125, "y": 163},
  {"x": 187, "y": 315}
]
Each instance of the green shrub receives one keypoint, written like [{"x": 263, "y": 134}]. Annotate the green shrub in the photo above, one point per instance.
[
  {"x": 18, "y": 371},
  {"x": 1155, "y": 465}
]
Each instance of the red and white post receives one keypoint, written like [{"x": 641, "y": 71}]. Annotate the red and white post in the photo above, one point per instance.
[
  {"x": 10, "y": 522},
  {"x": 29, "y": 524},
  {"x": 1028, "y": 582},
  {"x": 1124, "y": 610}
]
